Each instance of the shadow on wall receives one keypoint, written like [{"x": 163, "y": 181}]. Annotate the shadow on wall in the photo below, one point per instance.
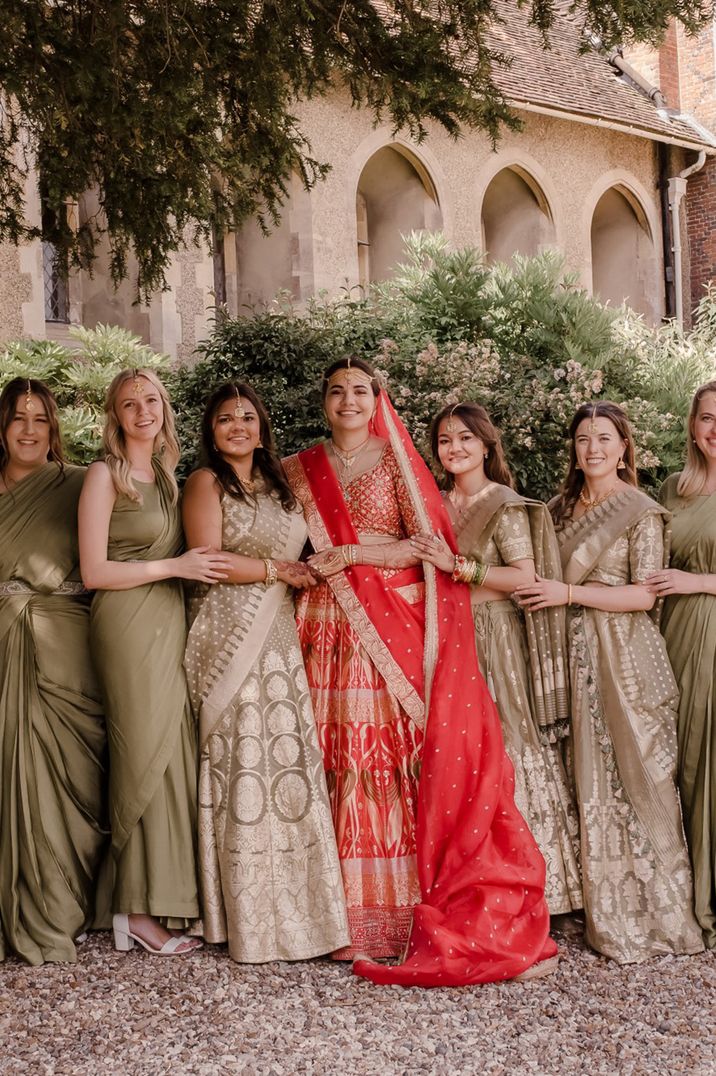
[
  {"x": 623, "y": 259},
  {"x": 395, "y": 196},
  {"x": 516, "y": 217}
]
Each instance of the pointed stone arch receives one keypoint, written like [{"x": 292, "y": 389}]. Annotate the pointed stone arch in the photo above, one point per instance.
[{"x": 395, "y": 195}]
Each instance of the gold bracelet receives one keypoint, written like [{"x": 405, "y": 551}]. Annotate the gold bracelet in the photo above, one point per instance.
[
  {"x": 569, "y": 593},
  {"x": 271, "y": 572}
]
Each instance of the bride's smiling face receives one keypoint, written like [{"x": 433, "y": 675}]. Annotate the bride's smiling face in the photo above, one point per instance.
[{"x": 349, "y": 403}]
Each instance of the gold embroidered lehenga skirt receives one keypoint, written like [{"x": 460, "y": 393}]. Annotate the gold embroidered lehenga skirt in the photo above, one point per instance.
[{"x": 268, "y": 865}]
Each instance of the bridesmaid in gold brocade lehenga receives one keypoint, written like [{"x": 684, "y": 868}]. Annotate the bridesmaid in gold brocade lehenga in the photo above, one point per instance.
[
  {"x": 268, "y": 865},
  {"x": 524, "y": 664},
  {"x": 52, "y": 764},
  {"x": 635, "y": 866},
  {"x": 689, "y": 627},
  {"x": 130, "y": 543}
]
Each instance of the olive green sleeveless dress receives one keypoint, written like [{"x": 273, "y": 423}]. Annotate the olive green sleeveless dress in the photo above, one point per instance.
[{"x": 138, "y": 638}]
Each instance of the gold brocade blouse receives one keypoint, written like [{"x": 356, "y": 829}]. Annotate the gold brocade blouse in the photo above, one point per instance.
[
  {"x": 634, "y": 556},
  {"x": 511, "y": 540}
]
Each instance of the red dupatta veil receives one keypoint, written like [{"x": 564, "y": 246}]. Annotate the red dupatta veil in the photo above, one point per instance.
[{"x": 482, "y": 916}]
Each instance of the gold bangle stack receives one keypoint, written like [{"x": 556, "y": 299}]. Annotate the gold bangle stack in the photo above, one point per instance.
[
  {"x": 473, "y": 572},
  {"x": 271, "y": 572},
  {"x": 569, "y": 593},
  {"x": 350, "y": 555}
]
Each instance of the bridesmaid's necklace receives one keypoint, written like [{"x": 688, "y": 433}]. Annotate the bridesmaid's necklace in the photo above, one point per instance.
[
  {"x": 588, "y": 504},
  {"x": 463, "y": 503}
]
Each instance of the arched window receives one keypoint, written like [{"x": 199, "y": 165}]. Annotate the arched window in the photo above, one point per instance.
[
  {"x": 516, "y": 217},
  {"x": 395, "y": 196},
  {"x": 623, "y": 261}
]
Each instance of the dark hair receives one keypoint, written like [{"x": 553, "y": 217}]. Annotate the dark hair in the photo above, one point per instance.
[
  {"x": 266, "y": 459},
  {"x": 563, "y": 504},
  {"x": 478, "y": 422},
  {"x": 347, "y": 362},
  {"x": 8, "y": 402}
]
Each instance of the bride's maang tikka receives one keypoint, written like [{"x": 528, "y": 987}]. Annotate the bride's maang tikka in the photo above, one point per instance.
[
  {"x": 137, "y": 386},
  {"x": 592, "y": 423},
  {"x": 239, "y": 411},
  {"x": 350, "y": 375},
  {"x": 29, "y": 402}
]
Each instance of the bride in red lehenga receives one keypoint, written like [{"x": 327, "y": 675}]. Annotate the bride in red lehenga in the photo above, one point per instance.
[{"x": 433, "y": 850}]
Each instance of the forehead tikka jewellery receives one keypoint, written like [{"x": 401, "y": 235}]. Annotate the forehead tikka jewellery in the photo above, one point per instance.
[
  {"x": 351, "y": 376},
  {"x": 239, "y": 411},
  {"x": 451, "y": 424},
  {"x": 137, "y": 386},
  {"x": 593, "y": 423},
  {"x": 29, "y": 402}
]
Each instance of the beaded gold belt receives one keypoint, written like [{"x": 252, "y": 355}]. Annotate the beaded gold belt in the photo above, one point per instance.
[{"x": 16, "y": 586}]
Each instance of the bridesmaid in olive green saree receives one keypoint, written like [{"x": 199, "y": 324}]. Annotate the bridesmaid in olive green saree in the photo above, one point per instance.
[
  {"x": 52, "y": 738},
  {"x": 130, "y": 545},
  {"x": 689, "y": 627}
]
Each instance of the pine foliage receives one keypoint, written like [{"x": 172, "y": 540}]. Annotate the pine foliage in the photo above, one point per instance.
[{"x": 183, "y": 116}]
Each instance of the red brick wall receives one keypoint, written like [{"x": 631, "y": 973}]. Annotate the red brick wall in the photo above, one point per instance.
[
  {"x": 701, "y": 223},
  {"x": 697, "y": 79},
  {"x": 698, "y": 74},
  {"x": 669, "y": 73}
]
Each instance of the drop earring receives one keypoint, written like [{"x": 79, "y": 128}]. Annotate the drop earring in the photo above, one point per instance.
[{"x": 621, "y": 466}]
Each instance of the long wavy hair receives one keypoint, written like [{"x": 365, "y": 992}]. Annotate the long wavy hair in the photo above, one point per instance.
[
  {"x": 165, "y": 450},
  {"x": 477, "y": 420},
  {"x": 564, "y": 502},
  {"x": 695, "y": 472},
  {"x": 354, "y": 362},
  {"x": 266, "y": 460},
  {"x": 8, "y": 402}
]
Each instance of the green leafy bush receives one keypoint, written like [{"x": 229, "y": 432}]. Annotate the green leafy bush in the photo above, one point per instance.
[
  {"x": 525, "y": 340},
  {"x": 79, "y": 376}
]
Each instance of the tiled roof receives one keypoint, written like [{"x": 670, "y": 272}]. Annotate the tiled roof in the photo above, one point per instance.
[{"x": 562, "y": 78}]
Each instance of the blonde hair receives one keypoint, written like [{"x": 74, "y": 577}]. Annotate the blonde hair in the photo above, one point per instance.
[
  {"x": 165, "y": 450},
  {"x": 693, "y": 477}
]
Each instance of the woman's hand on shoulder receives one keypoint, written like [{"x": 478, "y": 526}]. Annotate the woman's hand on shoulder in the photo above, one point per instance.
[
  {"x": 203, "y": 564},
  {"x": 674, "y": 581},
  {"x": 434, "y": 549}
]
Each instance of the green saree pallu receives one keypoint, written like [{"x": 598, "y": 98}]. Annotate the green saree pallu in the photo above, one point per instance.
[
  {"x": 52, "y": 736},
  {"x": 138, "y": 638},
  {"x": 638, "y": 892},
  {"x": 523, "y": 660},
  {"x": 689, "y": 627}
]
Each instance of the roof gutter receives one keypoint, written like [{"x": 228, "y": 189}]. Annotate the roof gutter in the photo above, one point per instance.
[{"x": 611, "y": 125}]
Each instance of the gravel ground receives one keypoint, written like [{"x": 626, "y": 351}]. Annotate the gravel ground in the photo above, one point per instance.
[{"x": 204, "y": 1015}]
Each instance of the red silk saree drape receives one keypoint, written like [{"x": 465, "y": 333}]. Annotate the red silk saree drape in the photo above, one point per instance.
[{"x": 482, "y": 915}]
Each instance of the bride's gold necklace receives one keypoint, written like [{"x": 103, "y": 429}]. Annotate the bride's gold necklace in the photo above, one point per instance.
[
  {"x": 348, "y": 460},
  {"x": 588, "y": 504}
]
